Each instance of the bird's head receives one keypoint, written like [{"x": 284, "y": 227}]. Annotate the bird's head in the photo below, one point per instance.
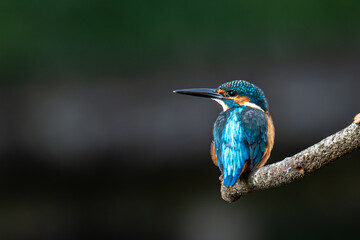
[{"x": 232, "y": 94}]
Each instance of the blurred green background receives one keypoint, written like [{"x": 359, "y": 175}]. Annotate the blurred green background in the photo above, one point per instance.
[{"x": 94, "y": 144}]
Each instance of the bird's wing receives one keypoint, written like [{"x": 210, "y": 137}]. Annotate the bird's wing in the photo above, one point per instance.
[
  {"x": 254, "y": 123},
  {"x": 239, "y": 135}
]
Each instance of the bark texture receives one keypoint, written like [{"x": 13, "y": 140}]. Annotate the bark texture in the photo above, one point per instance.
[{"x": 297, "y": 166}]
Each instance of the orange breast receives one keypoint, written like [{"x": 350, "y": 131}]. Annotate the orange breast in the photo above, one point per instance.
[
  {"x": 269, "y": 142},
  {"x": 212, "y": 153}
]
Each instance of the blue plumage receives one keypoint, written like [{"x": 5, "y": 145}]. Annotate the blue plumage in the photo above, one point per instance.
[
  {"x": 243, "y": 132},
  {"x": 239, "y": 136}
]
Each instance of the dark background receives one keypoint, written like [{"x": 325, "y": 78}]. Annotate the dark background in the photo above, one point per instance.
[{"x": 93, "y": 143}]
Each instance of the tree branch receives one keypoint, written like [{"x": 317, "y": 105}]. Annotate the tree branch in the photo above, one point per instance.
[{"x": 297, "y": 166}]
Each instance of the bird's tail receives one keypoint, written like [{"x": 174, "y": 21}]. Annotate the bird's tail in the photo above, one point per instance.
[{"x": 230, "y": 179}]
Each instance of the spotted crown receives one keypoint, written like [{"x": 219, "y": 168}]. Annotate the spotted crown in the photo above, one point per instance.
[{"x": 245, "y": 88}]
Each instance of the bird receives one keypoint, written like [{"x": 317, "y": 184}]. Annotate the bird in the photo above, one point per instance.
[{"x": 243, "y": 132}]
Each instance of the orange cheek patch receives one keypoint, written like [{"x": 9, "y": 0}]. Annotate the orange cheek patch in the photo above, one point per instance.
[
  {"x": 221, "y": 91},
  {"x": 241, "y": 100}
]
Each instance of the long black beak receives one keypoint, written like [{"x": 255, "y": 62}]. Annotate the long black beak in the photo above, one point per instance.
[{"x": 200, "y": 92}]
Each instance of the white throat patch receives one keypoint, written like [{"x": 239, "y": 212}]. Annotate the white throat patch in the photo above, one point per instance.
[{"x": 224, "y": 106}]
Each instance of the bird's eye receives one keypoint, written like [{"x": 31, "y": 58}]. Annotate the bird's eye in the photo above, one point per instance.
[{"x": 231, "y": 93}]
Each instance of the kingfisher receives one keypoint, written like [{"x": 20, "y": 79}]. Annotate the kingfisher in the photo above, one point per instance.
[{"x": 243, "y": 132}]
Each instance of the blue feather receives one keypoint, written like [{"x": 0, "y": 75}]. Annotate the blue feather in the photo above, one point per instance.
[
  {"x": 240, "y": 136},
  {"x": 254, "y": 122}
]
